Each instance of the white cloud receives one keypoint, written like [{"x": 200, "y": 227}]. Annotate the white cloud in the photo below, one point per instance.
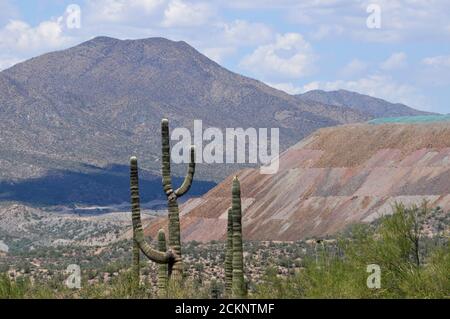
[
  {"x": 289, "y": 56},
  {"x": 20, "y": 36},
  {"x": 395, "y": 61},
  {"x": 438, "y": 61},
  {"x": 245, "y": 33},
  {"x": 354, "y": 67},
  {"x": 379, "y": 86},
  {"x": 183, "y": 14}
]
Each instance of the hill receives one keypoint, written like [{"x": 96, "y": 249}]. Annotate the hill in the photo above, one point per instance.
[
  {"x": 335, "y": 177},
  {"x": 371, "y": 106}
]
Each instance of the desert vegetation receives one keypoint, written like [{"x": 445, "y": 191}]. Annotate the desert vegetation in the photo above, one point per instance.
[
  {"x": 407, "y": 250},
  {"x": 414, "y": 263}
]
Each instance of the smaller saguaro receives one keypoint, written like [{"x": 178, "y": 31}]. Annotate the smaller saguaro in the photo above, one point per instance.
[
  {"x": 238, "y": 284},
  {"x": 229, "y": 255},
  {"x": 162, "y": 268}
]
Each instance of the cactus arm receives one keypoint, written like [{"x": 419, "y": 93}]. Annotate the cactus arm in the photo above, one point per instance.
[
  {"x": 189, "y": 176},
  {"x": 238, "y": 285},
  {"x": 229, "y": 254},
  {"x": 163, "y": 268},
  {"x": 152, "y": 254}
]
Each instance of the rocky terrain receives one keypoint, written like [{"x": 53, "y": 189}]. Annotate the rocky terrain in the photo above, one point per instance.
[
  {"x": 333, "y": 178},
  {"x": 24, "y": 228},
  {"x": 100, "y": 102},
  {"x": 90, "y": 107}
]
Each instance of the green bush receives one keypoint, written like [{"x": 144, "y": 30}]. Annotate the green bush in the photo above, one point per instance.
[{"x": 395, "y": 243}]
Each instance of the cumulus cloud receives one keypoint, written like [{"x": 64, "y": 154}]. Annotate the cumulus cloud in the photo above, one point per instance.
[
  {"x": 184, "y": 14},
  {"x": 246, "y": 33},
  {"x": 289, "y": 56},
  {"x": 20, "y": 36},
  {"x": 395, "y": 61}
]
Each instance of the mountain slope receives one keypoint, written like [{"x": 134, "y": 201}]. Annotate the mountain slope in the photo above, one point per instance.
[
  {"x": 102, "y": 101},
  {"x": 335, "y": 177},
  {"x": 373, "y": 107}
]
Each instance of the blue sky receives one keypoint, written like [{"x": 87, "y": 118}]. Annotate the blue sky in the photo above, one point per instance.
[{"x": 403, "y": 55}]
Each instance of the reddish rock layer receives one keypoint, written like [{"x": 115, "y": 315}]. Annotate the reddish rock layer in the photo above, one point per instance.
[{"x": 335, "y": 177}]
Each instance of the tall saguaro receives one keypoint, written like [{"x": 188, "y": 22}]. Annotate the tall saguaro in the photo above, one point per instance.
[
  {"x": 238, "y": 286},
  {"x": 171, "y": 257},
  {"x": 172, "y": 196}
]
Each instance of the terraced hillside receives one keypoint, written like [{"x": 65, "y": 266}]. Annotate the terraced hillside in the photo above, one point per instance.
[{"x": 334, "y": 177}]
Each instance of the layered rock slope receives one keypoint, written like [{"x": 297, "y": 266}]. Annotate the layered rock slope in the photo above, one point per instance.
[{"x": 335, "y": 177}]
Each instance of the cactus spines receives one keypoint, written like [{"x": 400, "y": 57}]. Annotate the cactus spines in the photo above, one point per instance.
[
  {"x": 238, "y": 285},
  {"x": 172, "y": 195},
  {"x": 163, "y": 268},
  {"x": 229, "y": 255},
  {"x": 138, "y": 234}
]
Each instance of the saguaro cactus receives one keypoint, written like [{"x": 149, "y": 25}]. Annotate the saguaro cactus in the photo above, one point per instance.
[
  {"x": 174, "y": 214},
  {"x": 229, "y": 255},
  {"x": 238, "y": 284},
  {"x": 162, "y": 268},
  {"x": 138, "y": 234},
  {"x": 171, "y": 257}
]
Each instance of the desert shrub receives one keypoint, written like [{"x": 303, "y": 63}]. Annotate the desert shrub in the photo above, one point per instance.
[
  {"x": 12, "y": 289},
  {"x": 395, "y": 243}
]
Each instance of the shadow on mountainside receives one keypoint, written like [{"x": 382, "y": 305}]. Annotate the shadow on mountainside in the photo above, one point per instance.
[{"x": 96, "y": 186}]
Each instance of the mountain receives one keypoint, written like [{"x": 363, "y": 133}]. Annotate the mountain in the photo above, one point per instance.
[
  {"x": 100, "y": 102},
  {"x": 371, "y": 106},
  {"x": 334, "y": 177}
]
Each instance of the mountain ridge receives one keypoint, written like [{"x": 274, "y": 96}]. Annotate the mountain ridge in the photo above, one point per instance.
[
  {"x": 96, "y": 103},
  {"x": 75, "y": 112},
  {"x": 373, "y": 106}
]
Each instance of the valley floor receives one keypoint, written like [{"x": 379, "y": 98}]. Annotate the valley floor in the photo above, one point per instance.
[{"x": 38, "y": 246}]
